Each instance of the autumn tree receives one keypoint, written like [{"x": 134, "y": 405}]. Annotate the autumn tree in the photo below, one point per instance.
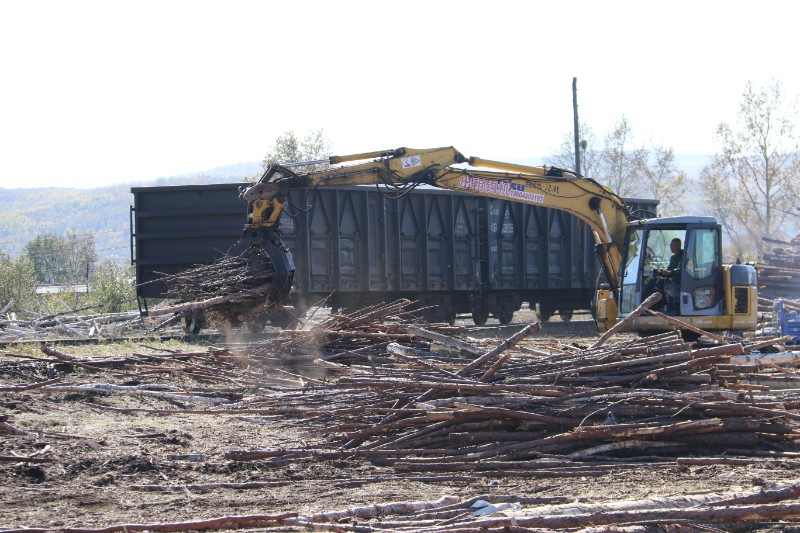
[
  {"x": 664, "y": 180},
  {"x": 623, "y": 161},
  {"x": 628, "y": 168},
  {"x": 591, "y": 152},
  {"x": 752, "y": 183}
]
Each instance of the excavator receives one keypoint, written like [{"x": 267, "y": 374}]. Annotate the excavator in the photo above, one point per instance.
[{"x": 705, "y": 293}]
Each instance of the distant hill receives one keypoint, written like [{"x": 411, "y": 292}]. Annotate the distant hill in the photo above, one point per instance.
[{"x": 103, "y": 212}]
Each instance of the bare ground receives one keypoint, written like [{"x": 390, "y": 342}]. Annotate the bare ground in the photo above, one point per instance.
[{"x": 116, "y": 467}]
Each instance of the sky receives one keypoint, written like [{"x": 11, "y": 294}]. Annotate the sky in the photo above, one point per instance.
[{"x": 94, "y": 93}]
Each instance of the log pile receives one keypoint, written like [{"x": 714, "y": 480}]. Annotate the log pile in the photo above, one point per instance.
[
  {"x": 232, "y": 286},
  {"x": 22, "y": 326},
  {"x": 430, "y": 407},
  {"x": 356, "y": 338},
  {"x": 534, "y": 411},
  {"x": 779, "y": 273}
]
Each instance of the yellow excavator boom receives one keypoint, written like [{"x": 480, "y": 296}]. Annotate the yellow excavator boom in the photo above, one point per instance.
[{"x": 447, "y": 168}]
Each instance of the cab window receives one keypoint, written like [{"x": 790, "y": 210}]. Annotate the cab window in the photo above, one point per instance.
[
  {"x": 631, "y": 273},
  {"x": 701, "y": 258}
]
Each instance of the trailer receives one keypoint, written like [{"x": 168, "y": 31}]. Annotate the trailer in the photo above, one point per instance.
[{"x": 357, "y": 246}]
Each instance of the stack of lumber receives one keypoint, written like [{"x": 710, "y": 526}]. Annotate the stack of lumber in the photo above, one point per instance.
[{"x": 779, "y": 273}]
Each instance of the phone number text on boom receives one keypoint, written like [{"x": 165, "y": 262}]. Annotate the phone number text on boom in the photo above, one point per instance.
[{"x": 500, "y": 188}]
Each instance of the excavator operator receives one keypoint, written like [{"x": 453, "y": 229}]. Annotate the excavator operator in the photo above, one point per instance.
[{"x": 669, "y": 282}]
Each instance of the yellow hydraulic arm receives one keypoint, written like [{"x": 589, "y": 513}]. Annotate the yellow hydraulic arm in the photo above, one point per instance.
[{"x": 550, "y": 187}]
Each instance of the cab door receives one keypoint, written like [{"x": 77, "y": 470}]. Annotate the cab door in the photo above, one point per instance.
[
  {"x": 631, "y": 276},
  {"x": 701, "y": 277}
]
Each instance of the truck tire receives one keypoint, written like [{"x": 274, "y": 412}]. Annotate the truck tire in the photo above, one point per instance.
[
  {"x": 194, "y": 322},
  {"x": 545, "y": 312},
  {"x": 479, "y": 316}
]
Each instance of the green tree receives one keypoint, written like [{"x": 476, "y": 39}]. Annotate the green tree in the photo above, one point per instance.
[
  {"x": 752, "y": 183},
  {"x": 17, "y": 282},
  {"x": 61, "y": 260},
  {"x": 288, "y": 149},
  {"x": 80, "y": 257},
  {"x": 46, "y": 252},
  {"x": 111, "y": 287}
]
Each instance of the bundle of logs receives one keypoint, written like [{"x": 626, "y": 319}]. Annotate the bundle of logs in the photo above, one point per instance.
[
  {"x": 231, "y": 291},
  {"x": 235, "y": 277}
]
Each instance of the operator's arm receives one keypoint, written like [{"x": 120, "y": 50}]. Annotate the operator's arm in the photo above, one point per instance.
[{"x": 673, "y": 270}]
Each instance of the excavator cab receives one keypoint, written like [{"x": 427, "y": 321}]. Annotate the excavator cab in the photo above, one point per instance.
[{"x": 696, "y": 287}]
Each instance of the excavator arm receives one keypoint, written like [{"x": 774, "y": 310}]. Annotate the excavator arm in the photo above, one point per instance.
[{"x": 447, "y": 168}]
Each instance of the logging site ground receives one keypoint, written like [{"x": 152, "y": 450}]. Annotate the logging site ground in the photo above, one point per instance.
[{"x": 267, "y": 432}]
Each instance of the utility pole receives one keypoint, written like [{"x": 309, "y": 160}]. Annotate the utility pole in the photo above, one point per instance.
[{"x": 575, "y": 118}]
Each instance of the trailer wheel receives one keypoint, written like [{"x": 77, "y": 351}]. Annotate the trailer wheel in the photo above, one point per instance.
[
  {"x": 256, "y": 325},
  {"x": 479, "y": 316},
  {"x": 506, "y": 318},
  {"x": 545, "y": 313},
  {"x": 565, "y": 314},
  {"x": 193, "y": 322}
]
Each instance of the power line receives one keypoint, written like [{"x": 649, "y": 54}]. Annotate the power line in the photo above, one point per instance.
[
  {"x": 58, "y": 223},
  {"x": 75, "y": 234}
]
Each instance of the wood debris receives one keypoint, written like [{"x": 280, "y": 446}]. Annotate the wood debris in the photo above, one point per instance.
[
  {"x": 499, "y": 512},
  {"x": 26, "y": 326},
  {"x": 425, "y": 402},
  {"x": 231, "y": 291},
  {"x": 430, "y": 411}
]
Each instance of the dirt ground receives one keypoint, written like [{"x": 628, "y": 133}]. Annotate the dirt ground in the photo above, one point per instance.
[{"x": 115, "y": 466}]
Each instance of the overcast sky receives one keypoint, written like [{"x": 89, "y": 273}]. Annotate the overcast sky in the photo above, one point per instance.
[{"x": 98, "y": 92}]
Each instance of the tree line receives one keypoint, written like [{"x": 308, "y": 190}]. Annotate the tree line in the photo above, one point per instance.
[
  {"x": 751, "y": 185},
  {"x": 70, "y": 262}
]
